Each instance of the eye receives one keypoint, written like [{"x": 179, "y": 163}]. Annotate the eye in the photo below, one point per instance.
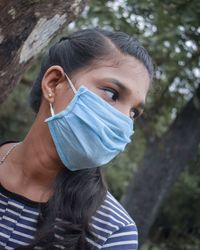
[{"x": 113, "y": 94}]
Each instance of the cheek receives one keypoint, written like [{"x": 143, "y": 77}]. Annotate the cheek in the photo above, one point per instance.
[
  {"x": 123, "y": 106},
  {"x": 62, "y": 100}
]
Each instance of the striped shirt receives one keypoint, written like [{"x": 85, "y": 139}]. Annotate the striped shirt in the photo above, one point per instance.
[{"x": 112, "y": 226}]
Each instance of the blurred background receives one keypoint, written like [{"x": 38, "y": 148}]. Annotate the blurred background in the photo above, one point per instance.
[{"x": 166, "y": 206}]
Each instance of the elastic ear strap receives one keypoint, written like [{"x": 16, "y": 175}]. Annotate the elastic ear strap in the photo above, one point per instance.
[
  {"x": 71, "y": 84},
  {"x": 51, "y": 109}
]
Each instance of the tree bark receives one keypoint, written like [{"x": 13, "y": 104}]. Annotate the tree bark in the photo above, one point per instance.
[
  {"x": 26, "y": 27},
  {"x": 162, "y": 164}
]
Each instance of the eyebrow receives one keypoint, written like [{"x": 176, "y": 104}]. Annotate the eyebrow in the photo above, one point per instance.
[{"x": 122, "y": 86}]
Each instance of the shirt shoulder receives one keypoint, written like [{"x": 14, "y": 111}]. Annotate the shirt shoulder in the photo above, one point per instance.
[{"x": 113, "y": 227}]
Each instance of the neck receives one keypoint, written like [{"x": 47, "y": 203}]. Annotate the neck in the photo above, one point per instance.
[{"x": 35, "y": 161}]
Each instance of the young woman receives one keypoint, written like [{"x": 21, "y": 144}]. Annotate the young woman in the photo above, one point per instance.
[{"x": 91, "y": 87}]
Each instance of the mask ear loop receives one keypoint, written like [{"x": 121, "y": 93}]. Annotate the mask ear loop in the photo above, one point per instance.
[
  {"x": 71, "y": 84},
  {"x": 51, "y": 109},
  {"x": 73, "y": 88}
]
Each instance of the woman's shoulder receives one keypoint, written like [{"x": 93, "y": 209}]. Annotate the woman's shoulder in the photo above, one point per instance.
[
  {"x": 113, "y": 226},
  {"x": 113, "y": 209}
]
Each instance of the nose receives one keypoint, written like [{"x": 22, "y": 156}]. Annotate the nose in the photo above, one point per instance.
[{"x": 125, "y": 109}]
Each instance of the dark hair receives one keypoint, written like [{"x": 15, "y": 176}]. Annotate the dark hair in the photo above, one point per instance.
[{"x": 77, "y": 195}]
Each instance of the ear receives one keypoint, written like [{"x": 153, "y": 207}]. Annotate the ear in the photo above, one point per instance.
[{"x": 52, "y": 77}]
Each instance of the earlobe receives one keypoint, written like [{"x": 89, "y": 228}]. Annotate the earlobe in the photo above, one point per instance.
[
  {"x": 47, "y": 91},
  {"x": 50, "y": 98}
]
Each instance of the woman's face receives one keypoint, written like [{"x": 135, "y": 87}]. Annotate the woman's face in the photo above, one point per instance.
[{"x": 123, "y": 84}]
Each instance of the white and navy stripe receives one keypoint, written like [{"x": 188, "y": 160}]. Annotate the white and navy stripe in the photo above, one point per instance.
[
  {"x": 18, "y": 219},
  {"x": 112, "y": 227}
]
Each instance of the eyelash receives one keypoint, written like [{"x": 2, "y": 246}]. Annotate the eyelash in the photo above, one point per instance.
[
  {"x": 114, "y": 92},
  {"x": 116, "y": 97}
]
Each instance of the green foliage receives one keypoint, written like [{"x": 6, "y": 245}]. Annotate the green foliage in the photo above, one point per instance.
[
  {"x": 15, "y": 115},
  {"x": 178, "y": 224},
  {"x": 193, "y": 244},
  {"x": 170, "y": 30}
]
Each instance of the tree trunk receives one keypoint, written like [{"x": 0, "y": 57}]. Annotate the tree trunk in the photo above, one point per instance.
[
  {"x": 162, "y": 164},
  {"x": 26, "y": 27}
]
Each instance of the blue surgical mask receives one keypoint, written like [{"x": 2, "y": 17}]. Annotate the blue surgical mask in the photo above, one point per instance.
[{"x": 89, "y": 132}]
